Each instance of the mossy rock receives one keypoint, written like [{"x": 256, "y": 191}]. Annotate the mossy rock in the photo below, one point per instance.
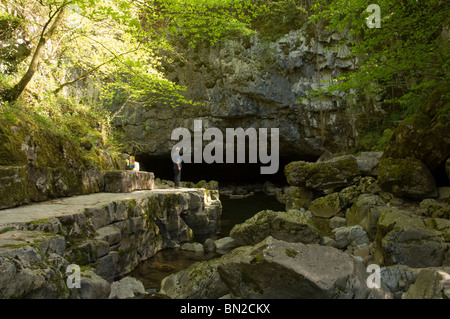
[
  {"x": 425, "y": 135},
  {"x": 335, "y": 173},
  {"x": 13, "y": 190},
  {"x": 406, "y": 178},
  {"x": 407, "y": 239},
  {"x": 292, "y": 226},
  {"x": 297, "y": 197},
  {"x": 365, "y": 212},
  {"x": 328, "y": 206}
]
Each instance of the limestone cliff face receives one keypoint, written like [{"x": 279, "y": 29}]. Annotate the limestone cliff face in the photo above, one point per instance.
[{"x": 254, "y": 83}]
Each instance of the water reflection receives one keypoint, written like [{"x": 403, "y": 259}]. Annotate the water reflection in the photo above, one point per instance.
[{"x": 234, "y": 211}]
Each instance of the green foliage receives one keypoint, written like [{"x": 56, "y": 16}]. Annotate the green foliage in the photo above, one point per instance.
[
  {"x": 276, "y": 18},
  {"x": 199, "y": 21},
  {"x": 404, "y": 59}
]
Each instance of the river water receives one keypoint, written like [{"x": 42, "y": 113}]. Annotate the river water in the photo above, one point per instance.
[{"x": 234, "y": 211}]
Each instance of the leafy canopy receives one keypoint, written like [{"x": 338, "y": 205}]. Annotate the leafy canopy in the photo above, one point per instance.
[{"x": 404, "y": 59}]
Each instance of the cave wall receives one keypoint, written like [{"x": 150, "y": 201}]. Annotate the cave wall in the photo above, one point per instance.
[{"x": 251, "y": 83}]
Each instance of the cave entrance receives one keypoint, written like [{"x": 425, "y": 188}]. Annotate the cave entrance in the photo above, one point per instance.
[{"x": 225, "y": 174}]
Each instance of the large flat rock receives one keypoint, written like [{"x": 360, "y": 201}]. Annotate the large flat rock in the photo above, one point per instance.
[{"x": 73, "y": 205}]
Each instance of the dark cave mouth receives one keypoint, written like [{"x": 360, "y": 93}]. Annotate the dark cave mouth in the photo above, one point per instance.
[{"x": 225, "y": 174}]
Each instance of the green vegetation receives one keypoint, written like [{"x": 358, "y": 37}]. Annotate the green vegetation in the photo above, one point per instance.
[
  {"x": 291, "y": 253},
  {"x": 73, "y": 65},
  {"x": 400, "y": 64}
]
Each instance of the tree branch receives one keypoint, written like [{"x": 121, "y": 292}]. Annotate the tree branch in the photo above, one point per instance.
[{"x": 84, "y": 75}]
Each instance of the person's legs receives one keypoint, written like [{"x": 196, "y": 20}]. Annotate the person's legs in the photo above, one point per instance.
[{"x": 177, "y": 178}]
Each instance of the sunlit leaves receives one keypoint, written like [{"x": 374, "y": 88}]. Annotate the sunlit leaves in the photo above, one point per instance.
[{"x": 404, "y": 57}]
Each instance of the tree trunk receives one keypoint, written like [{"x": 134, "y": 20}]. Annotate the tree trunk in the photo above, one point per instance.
[{"x": 14, "y": 93}]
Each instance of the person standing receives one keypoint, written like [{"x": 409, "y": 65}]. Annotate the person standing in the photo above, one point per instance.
[{"x": 176, "y": 159}]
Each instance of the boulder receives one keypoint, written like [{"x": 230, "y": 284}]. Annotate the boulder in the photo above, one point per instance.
[
  {"x": 408, "y": 178},
  {"x": 275, "y": 269},
  {"x": 365, "y": 212},
  {"x": 368, "y": 163},
  {"x": 197, "y": 247},
  {"x": 431, "y": 283},
  {"x": 30, "y": 268},
  {"x": 292, "y": 226},
  {"x": 93, "y": 286},
  {"x": 127, "y": 181},
  {"x": 201, "y": 280},
  {"x": 209, "y": 246},
  {"x": 433, "y": 208},
  {"x": 337, "y": 222},
  {"x": 412, "y": 240},
  {"x": 225, "y": 244},
  {"x": 127, "y": 288},
  {"x": 295, "y": 197},
  {"x": 334, "y": 173},
  {"x": 328, "y": 206},
  {"x": 350, "y": 236},
  {"x": 399, "y": 278}
]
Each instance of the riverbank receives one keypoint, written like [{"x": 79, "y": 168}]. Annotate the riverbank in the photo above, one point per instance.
[
  {"x": 354, "y": 227},
  {"x": 105, "y": 235}
]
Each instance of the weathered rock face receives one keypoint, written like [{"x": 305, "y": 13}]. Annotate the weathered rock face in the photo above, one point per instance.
[
  {"x": 257, "y": 84},
  {"x": 37, "y": 164},
  {"x": 291, "y": 226},
  {"x": 277, "y": 269},
  {"x": 406, "y": 178},
  {"x": 107, "y": 238}
]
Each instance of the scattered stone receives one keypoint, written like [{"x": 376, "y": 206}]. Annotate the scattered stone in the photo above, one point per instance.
[
  {"x": 443, "y": 193},
  {"x": 278, "y": 269},
  {"x": 328, "y": 241},
  {"x": 201, "y": 280},
  {"x": 435, "y": 209}
]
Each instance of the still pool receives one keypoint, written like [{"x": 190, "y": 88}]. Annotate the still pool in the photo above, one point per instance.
[{"x": 234, "y": 211}]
